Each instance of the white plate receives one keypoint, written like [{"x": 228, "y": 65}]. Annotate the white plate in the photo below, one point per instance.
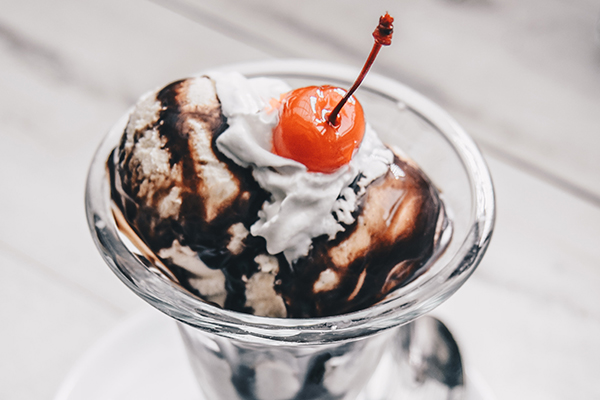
[{"x": 144, "y": 358}]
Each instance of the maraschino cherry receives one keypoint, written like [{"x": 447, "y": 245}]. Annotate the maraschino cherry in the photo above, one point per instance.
[{"x": 323, "y": 126}]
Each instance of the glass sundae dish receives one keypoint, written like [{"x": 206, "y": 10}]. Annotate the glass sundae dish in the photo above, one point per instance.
[{"x": 323, "y": 350}]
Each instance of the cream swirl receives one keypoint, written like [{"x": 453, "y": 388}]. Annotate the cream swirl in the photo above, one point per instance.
[{"x": 303, "y": 205}]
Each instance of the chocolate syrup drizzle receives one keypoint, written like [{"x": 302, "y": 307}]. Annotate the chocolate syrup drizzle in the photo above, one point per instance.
[
  {"x": 414, "y": 248},
  {"x": 209, "y": 239}
]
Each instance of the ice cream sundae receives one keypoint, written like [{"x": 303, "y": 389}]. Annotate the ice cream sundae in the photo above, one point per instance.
[{"x": 269, "y": 200}]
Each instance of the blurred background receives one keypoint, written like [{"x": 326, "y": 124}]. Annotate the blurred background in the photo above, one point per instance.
[{"x": 522, "y": 76}]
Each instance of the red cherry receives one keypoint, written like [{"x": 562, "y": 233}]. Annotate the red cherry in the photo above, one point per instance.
[
  {"x": 322, "y": 126},
  {"x": 304, "y": 133}
]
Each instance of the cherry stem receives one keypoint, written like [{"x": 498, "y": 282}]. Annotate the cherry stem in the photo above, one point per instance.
[
  {"x": 332, "y": 119},
  {"x": 383, "y": 37}
]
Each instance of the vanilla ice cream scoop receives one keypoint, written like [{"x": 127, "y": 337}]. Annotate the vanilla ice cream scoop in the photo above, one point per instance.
[{"x": 245, "y": 229}]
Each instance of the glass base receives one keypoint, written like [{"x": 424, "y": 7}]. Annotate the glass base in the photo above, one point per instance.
[{"x": 144, "y": 357}]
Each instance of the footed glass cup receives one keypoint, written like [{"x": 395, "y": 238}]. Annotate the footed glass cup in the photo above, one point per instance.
[{"x": 240, "y": 356}]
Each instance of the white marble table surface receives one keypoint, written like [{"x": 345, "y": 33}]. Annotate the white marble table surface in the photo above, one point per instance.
[{"x": 522, "y": 76}]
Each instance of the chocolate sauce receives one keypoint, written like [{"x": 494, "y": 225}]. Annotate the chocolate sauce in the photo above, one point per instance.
[
  {"x": 414, "y": 248},
  {"x": 208, "y": 239},
  {"x": 376, "y": 254}
]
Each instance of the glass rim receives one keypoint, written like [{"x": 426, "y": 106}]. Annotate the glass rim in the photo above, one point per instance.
[{"x": 395, "y": 310}]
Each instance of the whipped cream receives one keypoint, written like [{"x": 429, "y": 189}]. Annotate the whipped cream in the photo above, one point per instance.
[{"x": 303, "y": 205}]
